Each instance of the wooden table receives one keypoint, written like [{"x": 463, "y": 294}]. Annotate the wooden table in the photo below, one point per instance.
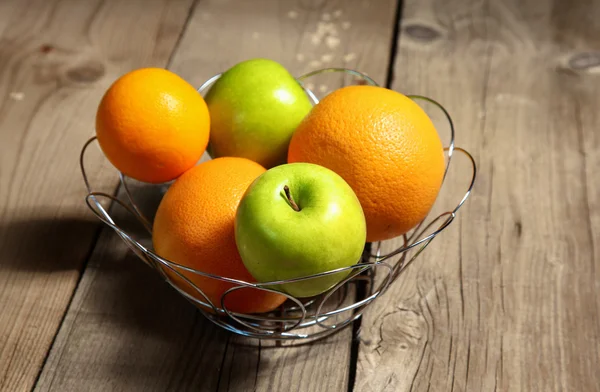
[{"x": 506, "y": 299}]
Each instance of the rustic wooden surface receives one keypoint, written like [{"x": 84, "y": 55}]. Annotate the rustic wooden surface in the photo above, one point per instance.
[
  {"x": 505, "y": 299},
  {"x": 56, "y": 59}
]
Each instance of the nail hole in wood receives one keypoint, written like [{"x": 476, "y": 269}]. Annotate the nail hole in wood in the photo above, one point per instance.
[
  {"x": 46, "y": 48},
  {"x": 421, "y": 32}
]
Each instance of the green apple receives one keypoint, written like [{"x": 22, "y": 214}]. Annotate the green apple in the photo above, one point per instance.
[
  {"x": 255, "y": 108},
  {"x": 296, "y": 220}
]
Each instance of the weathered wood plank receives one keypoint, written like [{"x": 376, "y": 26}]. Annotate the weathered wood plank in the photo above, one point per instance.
[
  {"x": 365, "y": 30},
  {"x": 125, "y": 329},
  {"x": 56, "y": 59},
  {"x": 506, "y": 299}
]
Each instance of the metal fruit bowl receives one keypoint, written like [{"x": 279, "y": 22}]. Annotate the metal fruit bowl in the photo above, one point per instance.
[{"x": 297, "y": 318}]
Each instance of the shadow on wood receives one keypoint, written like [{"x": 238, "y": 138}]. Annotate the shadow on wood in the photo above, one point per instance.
[
  {"x": 45, "y": 243},
  {"x": 125, "y": 313}
]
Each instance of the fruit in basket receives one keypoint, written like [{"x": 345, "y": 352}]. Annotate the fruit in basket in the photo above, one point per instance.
[
  {"x": 255, "y": 106},
  {"x": 297, "y": 220},
  {"x": 152, "y": 125},
  {"x": 194, "y": 227},
  {"x": 384, "y": 145}
]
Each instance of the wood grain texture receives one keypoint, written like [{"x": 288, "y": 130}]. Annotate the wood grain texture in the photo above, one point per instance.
[
  {"x": 506, "y": 299},
  {"x": 56, "y": 59},
  {"x": 126, "y": 330}
]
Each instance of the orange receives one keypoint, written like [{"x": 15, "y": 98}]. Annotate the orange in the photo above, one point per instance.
[
  {"x": 152, "y": 125},
  {"x": 194, "y": 227},
  {"x": 384, "y": 145}
]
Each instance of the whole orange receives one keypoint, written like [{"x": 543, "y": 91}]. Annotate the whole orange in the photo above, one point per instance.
[
  {"x": 194, "y": 227},
  {"x": 152, "y": 125},
  {"x": 384, "y": 145}
]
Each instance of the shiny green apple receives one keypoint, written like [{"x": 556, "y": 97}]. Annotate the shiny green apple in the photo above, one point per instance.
[
  {"x": 255, "y": 107},
  {"x": 296, "y": 220}
]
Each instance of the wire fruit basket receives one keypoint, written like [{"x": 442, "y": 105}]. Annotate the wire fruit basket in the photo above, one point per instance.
[{"x": 297, "y": 318}]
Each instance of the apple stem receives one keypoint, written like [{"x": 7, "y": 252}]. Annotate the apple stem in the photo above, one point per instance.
[{"x": 288, "y": 194}]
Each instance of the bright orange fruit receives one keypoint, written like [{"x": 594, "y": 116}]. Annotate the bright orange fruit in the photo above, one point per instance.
[
  {"x": 194, "y": 227},
  {"x": 152, "y": 125},
  {"x": 384, "y": 145}
]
